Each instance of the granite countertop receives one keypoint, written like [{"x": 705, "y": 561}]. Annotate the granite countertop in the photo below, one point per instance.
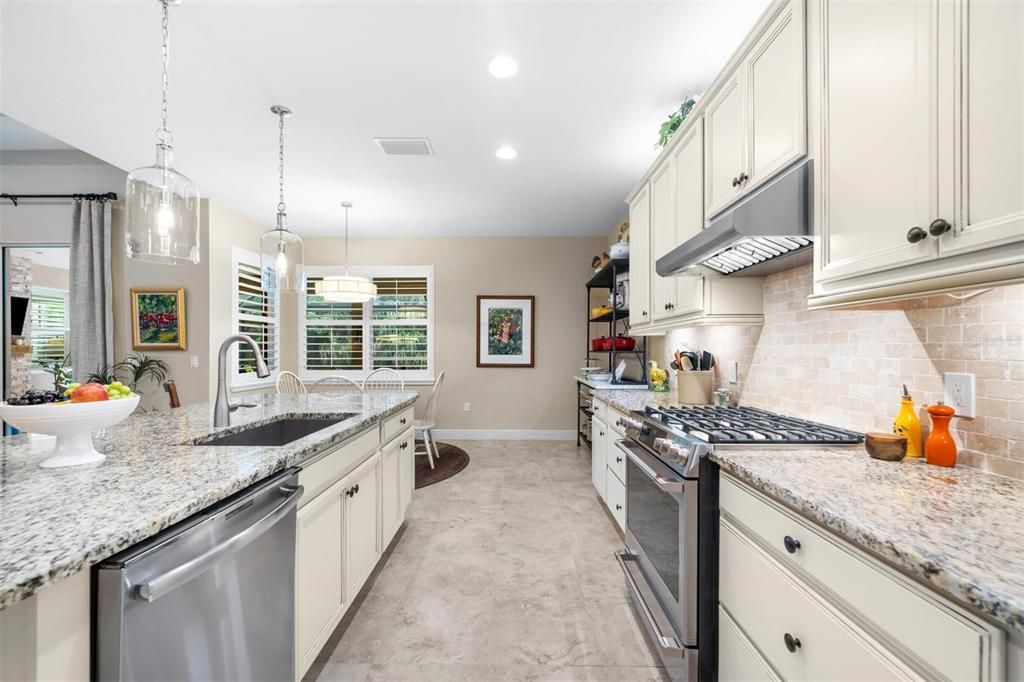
[
  {"x": 609, "y": 385},
  {"x": 626, "y": 401},
  {"x": 957, "y": 530},
  {"x": 56, "y": 522}
]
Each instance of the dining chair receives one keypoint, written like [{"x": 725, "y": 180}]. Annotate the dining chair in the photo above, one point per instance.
[
  {"x": 384, "y": 379},
  {"x": 290, "y": 383},
  {"x": 344, "y": 384},
  {"x": 428, "y": 421}
]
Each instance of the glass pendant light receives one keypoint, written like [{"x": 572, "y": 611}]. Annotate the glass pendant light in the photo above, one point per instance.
[
  {"x": 161, "y": 204},
  {"x": 346, "y": 288},
  {"x": 280, "y": 249}
]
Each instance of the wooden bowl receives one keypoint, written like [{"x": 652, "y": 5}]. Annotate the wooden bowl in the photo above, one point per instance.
[{"x": 889, "y": 447}]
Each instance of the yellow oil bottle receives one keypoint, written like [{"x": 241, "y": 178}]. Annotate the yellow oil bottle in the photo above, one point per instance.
[{"x": 908, "y": 424}]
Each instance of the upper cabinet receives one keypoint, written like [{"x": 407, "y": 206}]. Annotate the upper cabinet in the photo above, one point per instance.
[
  {"x": 756, "y": 119},
  {"x": 640, "y": 259},
  {"x": 919, "y": 191},
  {"x": 663, "y": 236}
]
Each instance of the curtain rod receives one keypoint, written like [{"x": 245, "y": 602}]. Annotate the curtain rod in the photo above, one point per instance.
[{"x": 107, "y": 196}]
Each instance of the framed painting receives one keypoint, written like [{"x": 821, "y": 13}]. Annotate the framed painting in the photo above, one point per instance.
[
  {"x": 158, "y": 319},
  {"x": 505, "y": 331}
]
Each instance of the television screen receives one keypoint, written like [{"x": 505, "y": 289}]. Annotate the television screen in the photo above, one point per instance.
[{"x": 19, "y": 306}]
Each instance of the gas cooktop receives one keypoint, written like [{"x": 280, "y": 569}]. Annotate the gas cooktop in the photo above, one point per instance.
[{"x": 713, "y": 424}]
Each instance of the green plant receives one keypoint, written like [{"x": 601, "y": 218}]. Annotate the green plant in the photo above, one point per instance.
[
  {"x": 61, "y": 372},
  {"x": 675, "y": 119},
  {"x": 132, "y": 371}
]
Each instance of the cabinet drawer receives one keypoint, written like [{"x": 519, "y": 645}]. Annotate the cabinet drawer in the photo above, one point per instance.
[
  {"x": 615, "y": 498},
  {"x": 616, "y": 459},
  {"x": 614, "y": 416},
  {"x": 600, "y": 410},
  {"x": 953, "y": 644},
  {"x": 317, "y": 476},
  {"x": 799, "y": 634},
  {"x": 396, "y": 424},
  {"x": 738, "y": 659}
]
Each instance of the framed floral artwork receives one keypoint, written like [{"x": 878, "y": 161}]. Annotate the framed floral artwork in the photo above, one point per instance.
[
  {"x": 505, "y": 331},
  {"x": 158, "y": 319}
]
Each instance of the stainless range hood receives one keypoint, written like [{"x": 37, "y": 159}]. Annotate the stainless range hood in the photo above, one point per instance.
[{"x": 766, "y": 232}]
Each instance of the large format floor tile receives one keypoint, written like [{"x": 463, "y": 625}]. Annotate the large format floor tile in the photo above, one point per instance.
[{"x": 504, "y": 572}]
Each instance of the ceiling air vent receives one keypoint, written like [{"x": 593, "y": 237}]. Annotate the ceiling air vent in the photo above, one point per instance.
[{"x": 404, "y": 146}]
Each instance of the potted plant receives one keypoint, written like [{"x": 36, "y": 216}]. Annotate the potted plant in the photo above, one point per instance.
[
  {"x": 132, "y": 371},
  {"x": 675, "y": 119}
]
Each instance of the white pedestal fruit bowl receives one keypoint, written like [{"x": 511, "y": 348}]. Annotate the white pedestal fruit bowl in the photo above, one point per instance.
[{"x": 72, "y": 423}]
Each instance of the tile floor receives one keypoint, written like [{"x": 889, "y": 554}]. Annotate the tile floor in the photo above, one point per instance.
[{"x": 504, "y": 572}]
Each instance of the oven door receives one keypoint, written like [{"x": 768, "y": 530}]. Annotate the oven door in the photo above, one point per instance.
[{"x": 661, "y": 537}]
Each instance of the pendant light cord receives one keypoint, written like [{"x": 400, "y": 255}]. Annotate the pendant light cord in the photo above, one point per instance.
[
  {"x": 163, "y": 135},
  {"x": 280, "y": 166},
  {"x": 346, "y": 241}
]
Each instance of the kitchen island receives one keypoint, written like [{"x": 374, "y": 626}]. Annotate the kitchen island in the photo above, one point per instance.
[{"x": 56, "y": 523}]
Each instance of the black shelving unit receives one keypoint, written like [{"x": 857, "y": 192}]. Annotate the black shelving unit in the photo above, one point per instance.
[{"x": 617, "y": 320}]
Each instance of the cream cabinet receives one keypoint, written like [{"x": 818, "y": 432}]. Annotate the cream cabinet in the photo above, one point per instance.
[
  {"x": 756, "y": 119},
  {"x": 689, "y": 219},
  {"x": 663, "y": 237},
  {"x": 598, "y": 454},
  {"x": 608, "y": 469},
  {"x": 362, "y": 545},
  {"x": 395, "y": 458},
  {"x": 812, "y": 606},
  {"x": 923, "y": 194},
  {"x": 640, "y": 266}
]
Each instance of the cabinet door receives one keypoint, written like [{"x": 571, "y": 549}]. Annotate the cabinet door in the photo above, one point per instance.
[
  {"x": 663, "y": 238},
  {"x": 615, "y": 498},
  {"x": 640, "y": 258},
  {"x": 738, "y": 659},
  {"x": 875, "y": 163},
  {"x": 319, "y": 597},
  {"x": 407, "y": 458},
  {"x": 390, "y": 490},
  {"x": 362, "y": 524},
  {"x": 725, "y": 145},
  {"x": 989, "y": 190},
  {"x": 776, "y": 87},
  {"x": 598, "y": 451},
  {"x": 689, "y": 162}
]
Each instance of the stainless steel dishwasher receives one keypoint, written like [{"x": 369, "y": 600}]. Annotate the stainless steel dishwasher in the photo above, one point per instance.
[{"x": 211, "y": 598}]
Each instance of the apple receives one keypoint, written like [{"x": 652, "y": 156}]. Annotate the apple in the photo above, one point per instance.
[{"x": 88, "y": 393}]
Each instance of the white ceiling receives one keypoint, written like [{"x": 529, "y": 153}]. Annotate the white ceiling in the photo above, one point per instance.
[
  {"x": 18, "y": 137},
  {"x": 58, "y": 257},
  {"x": 595, "y": 80}
]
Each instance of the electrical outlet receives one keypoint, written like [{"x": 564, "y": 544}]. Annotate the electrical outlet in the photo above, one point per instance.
[
  {"x": 193, "y": 361},
  {"x": 465, "y": 407},
  {"x": 734, "y": 372},
  {"x": 959, "y": 393}
]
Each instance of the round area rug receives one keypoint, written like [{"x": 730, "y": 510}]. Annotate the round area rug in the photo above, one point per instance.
[{"x": 451, "y": 460}]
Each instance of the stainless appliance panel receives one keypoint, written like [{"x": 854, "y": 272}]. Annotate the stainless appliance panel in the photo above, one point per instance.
[{"x": 209, "y": 599}]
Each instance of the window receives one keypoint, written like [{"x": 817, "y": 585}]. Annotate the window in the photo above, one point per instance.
[
  {"x": 48, "y": 325},
  {"x": 256, "y": 313},
  {"x": 352, "y": 339}
]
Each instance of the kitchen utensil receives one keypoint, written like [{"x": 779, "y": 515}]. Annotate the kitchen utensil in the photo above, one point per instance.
[
  {"x": 620, "y": 369},
  {"x": 907, "y": 424},
  {"x": 72, "y": 423},
  {"x": 622, "y": 343},
  {"x": 889, "y": 447},
  {"x": 707, "y": 361},
  {"x": 940, "y": 448},
  {"x": 674, "y": 365},
  {"x": 601, "y": 343},
  {"x": 690, "y": 361}
]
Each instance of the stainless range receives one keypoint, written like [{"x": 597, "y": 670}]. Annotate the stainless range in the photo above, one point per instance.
[{"x": 671, "y": 556}]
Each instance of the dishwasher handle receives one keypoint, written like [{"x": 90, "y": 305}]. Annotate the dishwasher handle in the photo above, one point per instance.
[{"x": 154, "y": 588}]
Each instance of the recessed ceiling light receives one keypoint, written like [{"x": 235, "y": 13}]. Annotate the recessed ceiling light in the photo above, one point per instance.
[
  {"x": 506, "y": 152},
  {"x": 502, "y": 67}
]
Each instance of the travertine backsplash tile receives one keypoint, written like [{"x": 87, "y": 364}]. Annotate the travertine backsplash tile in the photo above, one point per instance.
[{"x": 845, "y": 367}]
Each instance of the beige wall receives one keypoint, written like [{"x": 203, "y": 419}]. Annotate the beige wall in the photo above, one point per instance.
[
  {"x": 46, "y": 276},
  {"x": 553, "y": 269}
]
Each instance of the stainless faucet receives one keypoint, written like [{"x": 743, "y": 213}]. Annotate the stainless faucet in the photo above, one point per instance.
[{"x": 222, "y": 409}]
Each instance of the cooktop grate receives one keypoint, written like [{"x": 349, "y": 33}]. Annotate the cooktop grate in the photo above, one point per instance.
[{"x": 715, "y": 424}]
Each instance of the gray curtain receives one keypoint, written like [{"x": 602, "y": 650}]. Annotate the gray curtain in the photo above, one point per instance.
[{"x": 90, "y": 298}]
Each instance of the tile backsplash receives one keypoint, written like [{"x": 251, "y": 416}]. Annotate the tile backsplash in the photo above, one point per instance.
[{"x": 845, "y": 367}]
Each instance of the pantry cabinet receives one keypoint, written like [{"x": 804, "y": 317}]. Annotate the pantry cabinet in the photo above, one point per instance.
[{"x": 923, "y": 194}]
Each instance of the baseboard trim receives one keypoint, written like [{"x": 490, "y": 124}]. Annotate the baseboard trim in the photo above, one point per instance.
[{"x": 503, "y": 434}]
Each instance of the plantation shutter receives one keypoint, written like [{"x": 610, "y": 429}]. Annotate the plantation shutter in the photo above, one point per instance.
[
  {"x": 257, "y": 317},
  {"x": 400, "y": 323},
  {"x": 334, "y": 333},
  {"x": 49, "y": 327}
]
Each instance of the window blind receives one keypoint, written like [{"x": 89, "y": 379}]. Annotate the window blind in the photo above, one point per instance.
[
  {"x": 257, "y": 317},
  {"x": 48, "y": 327}
]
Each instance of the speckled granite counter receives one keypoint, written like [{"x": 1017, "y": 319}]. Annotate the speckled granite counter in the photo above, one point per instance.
[
  {"x": 55, "y": 522},
  {"x": 627, "y": 400},
  {"x": 957, "y": 530}
]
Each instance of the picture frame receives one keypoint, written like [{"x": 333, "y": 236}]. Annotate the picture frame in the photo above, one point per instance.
[
  {"x": 505, "y": 331},
  {"x": 158, "y": 319}
]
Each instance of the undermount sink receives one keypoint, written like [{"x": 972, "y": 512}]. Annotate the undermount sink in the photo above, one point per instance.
[{"x": 278, "y": 432}]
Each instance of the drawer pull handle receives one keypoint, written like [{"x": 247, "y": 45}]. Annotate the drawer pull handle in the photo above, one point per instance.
[
  {"x": 601, "y": 434},
  {"x": 404, "y": 445},
  {"x": 939, "y": 227},
  {"x": 791, "y": 543},
  {"x": 618, "y": 460},
  {"x": 402, "y": 420},
  {"x": 618, "y": 507},
  {"x": 916, "y": 234},
  {"x": 792, "y": 643}
]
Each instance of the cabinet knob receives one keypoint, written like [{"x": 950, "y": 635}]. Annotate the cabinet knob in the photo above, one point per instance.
[
  {"x": 601, "y": 433},
  {"x": 939, "y": 227},
  {"x": 618, "y": 460},
  {"x": 645, "y": 313},
  {"x": 671, "y": 306},
  {"x": 403, "y": 420},
  {"x": 792, "y": 643},
  {"x": 791, "y": 543},
  {"x": 618, "y": 507},
  {"x": 355, "y": 490},
  {"x": 404, "y": 445},
  {"x": 916, "y": 234},
  {"x": 735, "y": 182},
  {"x": 743, "y": 178}
]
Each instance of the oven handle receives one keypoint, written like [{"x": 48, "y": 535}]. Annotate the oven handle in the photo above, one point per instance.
[
  {"x": 669, "y": 645},
  {"x": 672, "y": 486}
]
